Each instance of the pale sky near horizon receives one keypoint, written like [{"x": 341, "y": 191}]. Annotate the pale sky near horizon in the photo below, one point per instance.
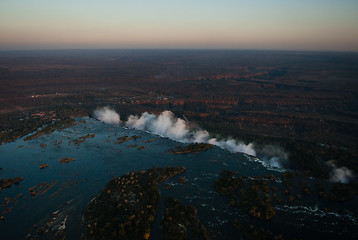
[{"x": 217, "y": 24}]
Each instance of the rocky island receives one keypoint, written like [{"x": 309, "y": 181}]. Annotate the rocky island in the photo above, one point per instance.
[
  {"x": 192, "y": 148},
  {"x": 127, "y": 206}
]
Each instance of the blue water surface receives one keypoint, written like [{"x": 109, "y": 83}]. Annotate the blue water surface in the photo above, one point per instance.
[{"x": 98, "y": 159}]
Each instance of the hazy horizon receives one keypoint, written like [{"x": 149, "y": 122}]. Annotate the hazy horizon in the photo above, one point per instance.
[
  {"x": 328, "y": 25},
  {"x": 176, "y": 49}
]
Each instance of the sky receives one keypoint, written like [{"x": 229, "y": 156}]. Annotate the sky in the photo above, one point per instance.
[{"x": 186, "y": 24}]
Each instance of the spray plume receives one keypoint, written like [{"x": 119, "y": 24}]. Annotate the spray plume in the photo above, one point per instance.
[
  {"x": 342, "y": 174},
  {"x": 274, "y": 156},
  {"x": 167, "y": 125},
  {"x": 107, "y": 115}
]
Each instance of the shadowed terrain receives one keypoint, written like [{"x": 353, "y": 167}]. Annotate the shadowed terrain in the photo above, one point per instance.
[{"x": 306, "y": 102}]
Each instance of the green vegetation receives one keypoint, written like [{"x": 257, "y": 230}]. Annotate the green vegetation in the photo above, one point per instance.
[
  {"x": 124, "y": 139},
  {"x": 82, "y": 139},
  {"x": 58, "y": 125},
  {"x": 255, "y": 198},
  {"x": 127, "y": 206},
  {"x": 192, "y": 148},
  {"x": 7, "y": 182},
  {"x": 67, "y": 159},
  {"x": 180, "y": 222}
]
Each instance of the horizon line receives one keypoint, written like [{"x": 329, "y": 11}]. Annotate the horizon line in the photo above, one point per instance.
[{"x": 178, "y": 49}]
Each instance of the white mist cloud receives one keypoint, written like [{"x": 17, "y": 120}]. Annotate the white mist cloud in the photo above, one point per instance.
[
  {"x": 107, "y": 115},
  {"x": 342, "y": 174},
  {"x": 274, "y": 156},
  {"x": 234, "y": 146},
  {"x": 273, "y": 161},
  {"x": 168, "y": 125}
]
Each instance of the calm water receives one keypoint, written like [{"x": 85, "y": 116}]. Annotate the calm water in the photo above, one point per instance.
[{"x": 98, "y": 159}]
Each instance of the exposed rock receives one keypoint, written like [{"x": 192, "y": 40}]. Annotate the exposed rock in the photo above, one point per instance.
[
  {"x": 43, "y": 166},
  {"x": 41, "y": 189},
  {"x": 124, "y": 139},
  {"x": 7, "y": 182},
  {"x": 182, "y": 180},
  {"x": 82, "y": 139},
  {"x": 67, "y": 159}
]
